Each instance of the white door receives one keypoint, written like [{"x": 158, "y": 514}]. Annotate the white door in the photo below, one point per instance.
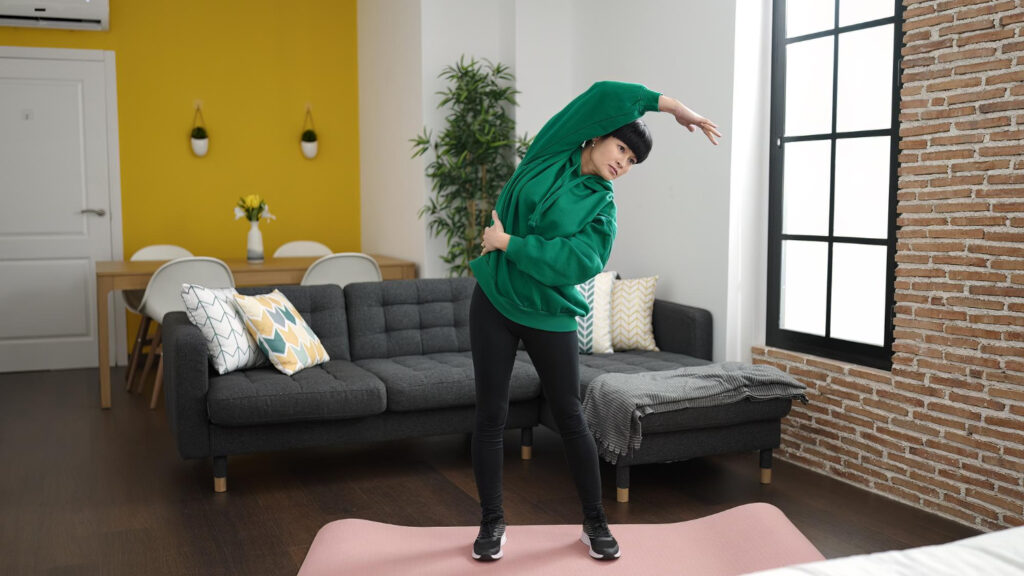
[{"x": 55, "y": 208}]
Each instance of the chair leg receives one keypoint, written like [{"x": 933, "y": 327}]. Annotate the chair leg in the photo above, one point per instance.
[
  {"x": 149, "y": 359},
  {"x": 133, "y": 363},
  {"x": 158, "y": 382},
  {"x": 621, "y": 483},
  {"x": 766, "y": 466}
]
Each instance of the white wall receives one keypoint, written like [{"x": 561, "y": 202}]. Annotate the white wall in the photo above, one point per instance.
[
  {"x": 403, "y": 46},
  {"x": 748, "y": 212},
  {"x": 390, "y": 88},
  {"x": 451, "y": 29}
]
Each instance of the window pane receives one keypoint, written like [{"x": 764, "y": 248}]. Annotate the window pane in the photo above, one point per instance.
[
  {"x": 857, "y": 11},
  {"x": 858, "y": 293},
  {"x": 805, "y": 187},
  {"x": 807, "y": 16},
  {"x": 809, "y": 87},
  {"x": 862, "y": 187},
  {"x": 804, "y": 270},
  {"x": 864, "y": 98}
]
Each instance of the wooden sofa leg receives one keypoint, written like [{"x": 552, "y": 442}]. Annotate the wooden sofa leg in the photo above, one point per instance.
[
  {"x": 621, "y": 483},
  {"x": 220, "y": 473},
  {"x": 766, "y": 466},
  {"x": 526, "y": 443}
]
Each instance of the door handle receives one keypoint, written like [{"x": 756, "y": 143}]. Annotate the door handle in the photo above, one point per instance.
[{"x": 98, "y": 212}]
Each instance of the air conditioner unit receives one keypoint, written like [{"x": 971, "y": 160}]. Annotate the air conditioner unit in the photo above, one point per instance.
[{"x": 69, "y": 14}]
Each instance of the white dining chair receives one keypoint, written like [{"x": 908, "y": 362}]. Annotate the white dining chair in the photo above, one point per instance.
[
  {"x": 301, "y": 248},
  {"x": 163, "y": 295},
  {"x": 133, "y": 301},
  {"x": 341, "y": 269}
]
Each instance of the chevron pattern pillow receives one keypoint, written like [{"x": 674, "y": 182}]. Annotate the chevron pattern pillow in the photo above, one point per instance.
[
  {"x": 594, "y": 329},
  {"x": 602, "y": 310},
  {"x": 213, "y": 311},
  {"x": 280, "y": 332},
  {"x": 585, "y": 324},
  {"x": 633, "y": 313}
]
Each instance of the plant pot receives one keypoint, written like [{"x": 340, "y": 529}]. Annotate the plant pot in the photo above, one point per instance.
[
  {"x": 254, "y": 244},
  {"x": 309, "y": 149},
  {"x": 200, "y": 146}
]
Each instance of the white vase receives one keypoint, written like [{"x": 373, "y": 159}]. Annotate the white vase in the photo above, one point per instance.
[
  {"x": 309, "y": 149},
  {"x": 200, "y": 146},
  {"x": 254, "y": 244}
]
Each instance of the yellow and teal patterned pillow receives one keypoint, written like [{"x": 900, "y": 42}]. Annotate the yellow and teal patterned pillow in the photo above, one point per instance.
[
  {"x": 280, "y": 332},
  {"x": 633, "y": 314}
]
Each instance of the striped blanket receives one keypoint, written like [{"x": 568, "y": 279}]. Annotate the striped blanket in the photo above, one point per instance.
[{"x": 615, "y": 403}]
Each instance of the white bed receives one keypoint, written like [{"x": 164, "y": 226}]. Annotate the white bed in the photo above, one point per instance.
[{"x": 994, "y": 554}]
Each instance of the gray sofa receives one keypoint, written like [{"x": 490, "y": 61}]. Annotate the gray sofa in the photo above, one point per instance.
[{"x": 401, "y": 368}]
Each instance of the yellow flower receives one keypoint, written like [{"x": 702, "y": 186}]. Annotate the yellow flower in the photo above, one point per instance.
[{"x": 252, "y": 207}]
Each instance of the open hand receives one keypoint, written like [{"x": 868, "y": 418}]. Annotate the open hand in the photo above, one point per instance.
[
  {"x": 494, "y": 236},
  {"x": 691, "y": 120}
]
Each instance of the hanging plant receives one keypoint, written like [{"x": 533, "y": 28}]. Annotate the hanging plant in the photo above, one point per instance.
[
  {"x": 200, "y": 140},
  {"x": 474, "y": 156},
  {"x": 308, "y": 141}
]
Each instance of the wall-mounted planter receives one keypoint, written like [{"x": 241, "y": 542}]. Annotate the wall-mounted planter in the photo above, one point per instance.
[
  {"x": 200, "y": 139},
  {"x": 200, "y": 146},
  {"x": 308, "y": 140},
  {"x": 309, "y": 149}
]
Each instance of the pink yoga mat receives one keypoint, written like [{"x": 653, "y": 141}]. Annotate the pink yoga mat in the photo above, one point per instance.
[{"x": 744, "y": 539}]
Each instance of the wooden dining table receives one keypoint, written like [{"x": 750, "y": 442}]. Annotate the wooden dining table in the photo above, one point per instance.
[{"x": 129, "y": 275}]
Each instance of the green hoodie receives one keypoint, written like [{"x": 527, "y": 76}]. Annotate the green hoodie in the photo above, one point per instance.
[{"x": 561, "y": 223}]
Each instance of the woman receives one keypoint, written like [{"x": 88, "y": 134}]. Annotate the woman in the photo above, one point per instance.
[{"x": 553, "y": 228}]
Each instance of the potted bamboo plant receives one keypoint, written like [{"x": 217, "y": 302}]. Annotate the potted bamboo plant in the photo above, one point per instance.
[{"x": 474, "y": 155}]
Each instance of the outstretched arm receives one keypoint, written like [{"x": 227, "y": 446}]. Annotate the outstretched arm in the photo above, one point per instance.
[{"x": 688, "y": 118}]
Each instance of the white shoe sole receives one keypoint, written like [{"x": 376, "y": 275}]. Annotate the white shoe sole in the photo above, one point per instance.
[
  {"x": 586, "y": 540},
  {"x": 501, "y": 551}
]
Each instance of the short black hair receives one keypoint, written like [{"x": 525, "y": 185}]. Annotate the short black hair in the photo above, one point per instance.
[{"x": 637, "y": 137}]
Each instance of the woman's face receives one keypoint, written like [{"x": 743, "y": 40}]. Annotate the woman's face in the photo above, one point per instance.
[{"x": 611, "y": 158}]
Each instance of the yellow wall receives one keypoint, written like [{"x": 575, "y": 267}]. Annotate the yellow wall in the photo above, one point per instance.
[{"x": 254, "y": 64}]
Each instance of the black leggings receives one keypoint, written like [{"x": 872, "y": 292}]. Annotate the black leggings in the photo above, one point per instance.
[{"x": 555, "y": 355}]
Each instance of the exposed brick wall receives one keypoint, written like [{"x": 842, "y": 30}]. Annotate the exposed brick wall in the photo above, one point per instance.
[{"x": 944, "y": 430}]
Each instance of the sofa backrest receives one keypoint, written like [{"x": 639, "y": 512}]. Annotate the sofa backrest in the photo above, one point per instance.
[
  {"x": 408, "y": 317},
  {"x": 322, "y": 307}
]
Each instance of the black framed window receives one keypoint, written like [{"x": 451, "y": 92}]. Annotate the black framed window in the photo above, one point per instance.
[{"x": 832, "y": 178}]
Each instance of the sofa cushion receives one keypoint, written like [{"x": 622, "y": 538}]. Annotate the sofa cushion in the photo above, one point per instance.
[
  {"x": 335, "y": 390},
  {"x": 443, "y": 380},
  {"x": 717, "y": 416},
  {"x": 631, "y": 362},
  {"x": 322, "y": 307},
  {"x": 408, "y": 317}
]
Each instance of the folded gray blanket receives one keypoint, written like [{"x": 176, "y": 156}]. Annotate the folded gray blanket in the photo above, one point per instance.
[{"x": 615, "y": 403}]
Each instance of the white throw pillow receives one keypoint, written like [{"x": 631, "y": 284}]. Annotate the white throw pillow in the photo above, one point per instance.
[
  {"x": 633, "y": 313},
  {"x": 228, "y": 341}
]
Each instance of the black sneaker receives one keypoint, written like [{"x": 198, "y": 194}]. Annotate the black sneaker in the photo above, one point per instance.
[
  {"x": 599, "y": 538},
  {"x": 489, "y": 540}
]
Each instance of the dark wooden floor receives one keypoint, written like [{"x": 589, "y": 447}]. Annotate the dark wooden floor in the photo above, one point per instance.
[{"x": 88, "y": 491}]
